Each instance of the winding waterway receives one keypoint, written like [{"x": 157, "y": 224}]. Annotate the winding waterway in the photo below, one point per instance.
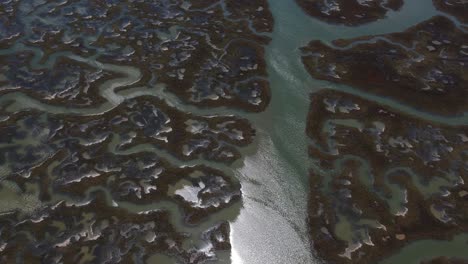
[
  {"x": 270, "y": 224},
  {"x": 271, "y": 227}
]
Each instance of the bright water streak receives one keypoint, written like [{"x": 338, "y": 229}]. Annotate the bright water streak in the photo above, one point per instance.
[{"x": 272, "y": 227}]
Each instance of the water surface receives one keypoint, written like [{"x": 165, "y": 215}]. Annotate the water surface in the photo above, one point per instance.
[{"x": 272, "y": 225}]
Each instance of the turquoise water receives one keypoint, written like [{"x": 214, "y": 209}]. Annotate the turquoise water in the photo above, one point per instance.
[
  {"x": 428, "y": 249},
  {"x": 271, "y": 227}
]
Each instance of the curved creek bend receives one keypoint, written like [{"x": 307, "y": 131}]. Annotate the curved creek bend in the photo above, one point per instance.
[
  {"x": 270, "y": 224},
  {"x": 274, "y": 202}
]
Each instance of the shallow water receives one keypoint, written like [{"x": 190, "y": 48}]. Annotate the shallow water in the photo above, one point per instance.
[
  {"x": 274, "y": 207},
  {"x": 270, "y": 225}
]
